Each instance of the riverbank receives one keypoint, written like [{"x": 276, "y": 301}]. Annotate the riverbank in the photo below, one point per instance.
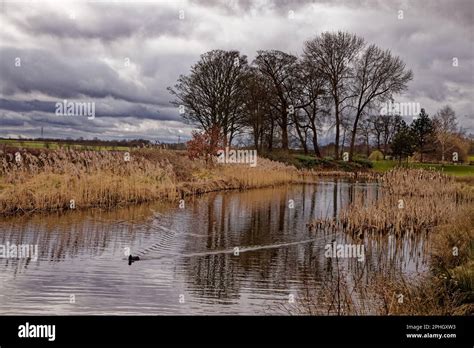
[
  {"x": 65, "y": 179},
  {"x": 449, "y": 288},
  {"x": 459, "y": 170},
  {"x": 68, "y": 179},
  {"x": 413, "y": 204},
  {"x": 41, "y": 180}
]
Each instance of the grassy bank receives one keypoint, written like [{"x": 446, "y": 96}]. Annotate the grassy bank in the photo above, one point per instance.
[
  {"x": 360, "y": 164},
  {"x": 310, "y": 162},
  {"x": 459, "y": 170}
]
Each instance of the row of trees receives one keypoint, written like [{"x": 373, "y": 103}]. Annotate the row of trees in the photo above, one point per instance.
[
  {"x": 336, "y": 83},
  {"x": 438, "y": 137}
]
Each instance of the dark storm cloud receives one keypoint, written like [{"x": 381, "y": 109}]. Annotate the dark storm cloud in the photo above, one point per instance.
[
  {"x": 27, "y": 105},
  {"x": 63, "y": 77},
  {"x": 103, "y": 108},
  {"x": 76, "y": 51},
  {"x": 12, "y": 121}
]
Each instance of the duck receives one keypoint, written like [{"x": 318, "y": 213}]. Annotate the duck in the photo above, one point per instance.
[{"x": 132, "y": 259}]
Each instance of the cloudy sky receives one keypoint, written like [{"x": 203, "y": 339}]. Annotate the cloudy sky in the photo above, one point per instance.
[{"x": 122, "y": 55}]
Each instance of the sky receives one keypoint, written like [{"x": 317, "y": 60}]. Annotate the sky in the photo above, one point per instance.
[{"x": 122, "y": 55}]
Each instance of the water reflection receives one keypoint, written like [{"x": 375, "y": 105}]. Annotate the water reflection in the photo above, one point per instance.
[{"x": 224, "y": 253}]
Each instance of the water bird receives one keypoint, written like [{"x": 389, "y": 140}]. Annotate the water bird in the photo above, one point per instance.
[{"x": 132, "y": 259}]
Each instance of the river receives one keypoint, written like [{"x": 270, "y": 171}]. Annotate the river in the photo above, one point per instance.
[{"x": 222, "y": 253}]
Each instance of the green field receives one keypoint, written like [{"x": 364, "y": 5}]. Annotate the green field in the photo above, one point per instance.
[
  {"x": 38, "y": 144},
  {"x": 457, "y": 170},
  {"x": 309, "y": 161}
]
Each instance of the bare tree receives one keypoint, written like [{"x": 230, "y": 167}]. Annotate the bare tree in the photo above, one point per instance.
[
  {"x": 213, "y": 93},
  {"x": 345, "y": 124},
  {"x": 314, "y": 98},
  {"x": 386, "y": 127},
  {"x": 257, "y": 109},
  {"x": 364, "y": 134},
  {"x": 332, "y": 56},
  {"x": 445, "y": 124},
  {"x": 391, "y": 125},
  {"x": 279, "y": 69},
  {"x": 378, "y": 76},
  {"x": 377, "y": 129}
]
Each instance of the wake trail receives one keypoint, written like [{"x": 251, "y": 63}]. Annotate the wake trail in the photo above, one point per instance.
[{"x": 162, "y": 255}]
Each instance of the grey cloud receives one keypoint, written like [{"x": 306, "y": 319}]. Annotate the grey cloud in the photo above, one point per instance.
[
  {"x": 104, "y": 21},
  {"x": 69, "y": 77},
  {"x": 103, "y": 108},
  {"x": 61, "y": 58},
  {"x": 458, "y": 11}
]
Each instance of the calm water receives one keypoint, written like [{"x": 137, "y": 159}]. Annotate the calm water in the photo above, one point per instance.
[{"x": 188, "y": 263}]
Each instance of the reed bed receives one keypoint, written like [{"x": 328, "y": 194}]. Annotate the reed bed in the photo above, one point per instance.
[
  {"x": 449, "y": 288},
  {"x": 70, "y": 179},
  {"x": 410, "y": 200},
  {"x": 412, "y": 204},
  {"x": 380, "y": 288},
  {"x": 267, "y": 173}
]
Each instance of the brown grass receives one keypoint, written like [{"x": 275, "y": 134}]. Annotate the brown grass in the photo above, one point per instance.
[
  {"x": 50, "y": 180},
  {"x": 412, "y": 201},
  {"x": 434, "y": 204}
]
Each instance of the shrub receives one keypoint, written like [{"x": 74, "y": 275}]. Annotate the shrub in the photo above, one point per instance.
[
  {"x": 365, "y": 163},
  {"x": 204, "y": 145},
  {"x": 284, "y": 157},
  {"x": 376, "y": 156}
]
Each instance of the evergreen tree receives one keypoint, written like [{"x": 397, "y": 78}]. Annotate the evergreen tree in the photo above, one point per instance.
[
  {"x": 403, "y": 143},
  {"x": 423, "y": 130}
]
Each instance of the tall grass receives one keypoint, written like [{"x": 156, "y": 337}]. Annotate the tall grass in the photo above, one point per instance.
[
  {"x": 434, "y": 205},
  {"x": 411, "y": 201},
  {"x": 66, "y": 179},
  {"x": 59, "y": 179}
]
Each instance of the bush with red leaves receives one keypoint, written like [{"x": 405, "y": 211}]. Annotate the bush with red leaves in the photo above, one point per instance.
[{"x": 204, "y": 144}]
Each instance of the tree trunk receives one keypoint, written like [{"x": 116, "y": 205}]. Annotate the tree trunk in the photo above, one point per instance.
[
  {"x": 343, "y": 142},
  {"x": 336, "y": 141},
  {"x": 317, "y": 153},
  {"x": 225, "y": 138},
  {"x": 270, "y": 136},
  {"x": 255, "y": 139},
  {"x": 284, "y": 132},
  {"x": 302, "y": 138},
  {"x": 353, "y": 137}
]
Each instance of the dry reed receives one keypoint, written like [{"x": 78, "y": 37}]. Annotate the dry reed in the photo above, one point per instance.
[
  {"x": 52, "y": 180},
  {"x": 411, "y": 201}
]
